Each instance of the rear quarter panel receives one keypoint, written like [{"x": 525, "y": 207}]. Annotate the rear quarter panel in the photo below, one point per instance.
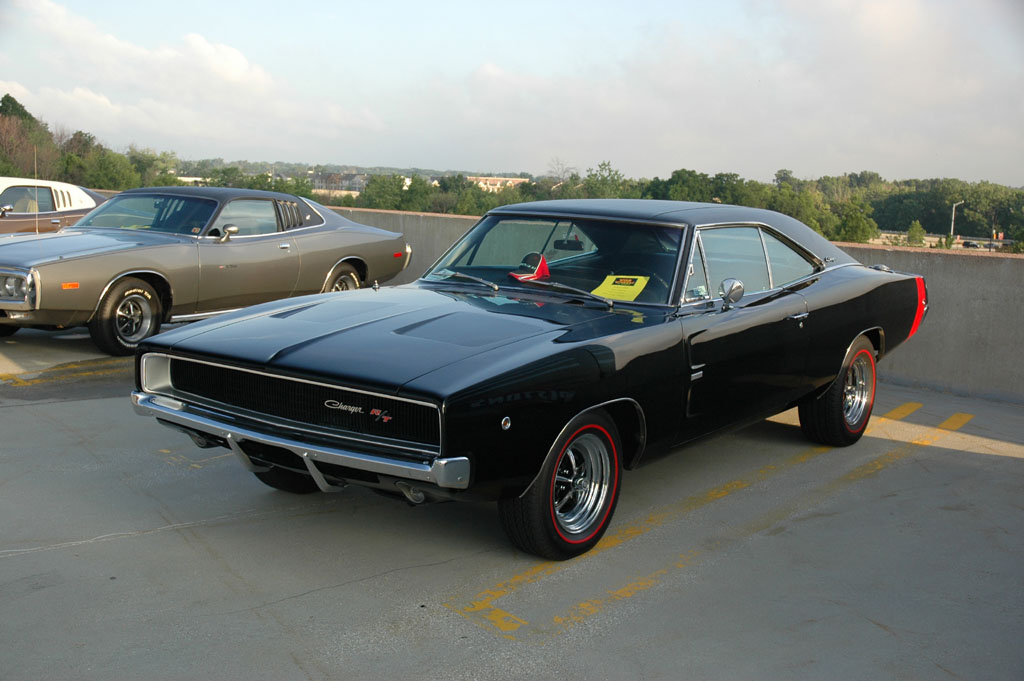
[{"x": 847, "y": 301}]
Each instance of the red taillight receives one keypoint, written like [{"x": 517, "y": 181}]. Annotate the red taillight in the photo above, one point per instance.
[
  {"x": 922, "y": 305},
  {"x": 398, "y": 255}
]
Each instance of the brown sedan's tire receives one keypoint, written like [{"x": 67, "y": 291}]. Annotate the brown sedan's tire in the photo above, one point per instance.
[
  {"x": 840, "y": 416},
  {"x": 568, "y": 508},
  {"x": 288, "y": 481},
  {"x": 345, "y": 279},
  {"x": 128, "y": 314},
  {"x": 8, "y": 330}
]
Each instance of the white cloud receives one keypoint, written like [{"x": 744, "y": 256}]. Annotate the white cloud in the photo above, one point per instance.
[{"x": 909, "y": 88}]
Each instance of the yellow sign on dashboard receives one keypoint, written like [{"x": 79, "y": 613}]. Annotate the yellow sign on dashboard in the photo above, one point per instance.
[{"x": 621, "y": 287}]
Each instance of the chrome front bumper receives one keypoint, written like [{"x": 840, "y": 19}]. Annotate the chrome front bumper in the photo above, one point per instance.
[{"x": 452, "y": 473}]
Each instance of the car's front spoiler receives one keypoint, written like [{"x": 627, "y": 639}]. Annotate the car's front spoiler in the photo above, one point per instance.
[{"x": 452, "y": 473}]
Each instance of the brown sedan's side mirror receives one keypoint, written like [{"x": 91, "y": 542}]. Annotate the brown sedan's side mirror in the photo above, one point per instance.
[
  {"x": 731, "y": 291},
  {"x": 229, "y": 231},
  {"x": 5, "y": 209}
]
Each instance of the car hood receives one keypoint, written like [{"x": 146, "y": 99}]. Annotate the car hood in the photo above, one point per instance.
[
  {"x": 32, "y": 250},
  {"x": 377, "y": 339}
]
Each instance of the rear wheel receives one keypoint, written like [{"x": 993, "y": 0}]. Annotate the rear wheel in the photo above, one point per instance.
[
  {"x": 840, "y": 416},
  {"x": 568, "y": 508},
  {"x": 128, "y": 314},
  {"x": 345, "y": 279},
  {"x": 287, "y": 481}
]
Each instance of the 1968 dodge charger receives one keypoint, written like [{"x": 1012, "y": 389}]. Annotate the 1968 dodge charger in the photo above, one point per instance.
[
  {"x": 149, "y": 256},
  {"x": 550, "y": 348}
]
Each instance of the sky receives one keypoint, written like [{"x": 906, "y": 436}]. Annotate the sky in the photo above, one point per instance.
[{"x": 905, "y": 88}]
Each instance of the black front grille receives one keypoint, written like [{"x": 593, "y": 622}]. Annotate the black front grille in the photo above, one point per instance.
[{"x": 333, "y": 408}]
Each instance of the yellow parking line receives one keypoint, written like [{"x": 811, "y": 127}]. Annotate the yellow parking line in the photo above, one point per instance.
[
  {"x": 91, "y": 368},
  {"x": 482, "y": 609},
  {"x": 582, "y": 611}
]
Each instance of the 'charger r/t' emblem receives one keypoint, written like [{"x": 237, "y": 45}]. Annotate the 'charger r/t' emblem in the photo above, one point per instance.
[{"x": 380, "y": 415}]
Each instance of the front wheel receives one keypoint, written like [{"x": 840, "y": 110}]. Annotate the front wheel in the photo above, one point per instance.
[
  {"x": 128, "y": 314},
  {"x": 567, "y": 509},
  {"x": 840, "y": 416}
]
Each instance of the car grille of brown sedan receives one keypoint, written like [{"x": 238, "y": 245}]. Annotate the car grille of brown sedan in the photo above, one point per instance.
[{"x": 326, "y": 407}]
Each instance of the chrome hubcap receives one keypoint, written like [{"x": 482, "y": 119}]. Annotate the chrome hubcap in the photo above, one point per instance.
[
  {"x": 582, "y": 484},
  {"x": 857, "y": 389},
  {"x": 133, "y": 319}
]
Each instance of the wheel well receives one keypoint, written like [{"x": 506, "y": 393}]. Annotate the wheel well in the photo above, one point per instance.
[
  {"x": 877, "y": 338},
  {"x": 159, "y": 284},
  {"x": 356, "y": 263},
  {"x": 629, "y": 419}
]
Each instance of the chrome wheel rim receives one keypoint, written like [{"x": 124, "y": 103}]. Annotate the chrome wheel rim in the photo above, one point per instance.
[
  {"x": 133, "y": 319},
  {"x": 582, "y": 484},
  {"x": 343, "y": 283},
  {"x": 857, "y": 389}
]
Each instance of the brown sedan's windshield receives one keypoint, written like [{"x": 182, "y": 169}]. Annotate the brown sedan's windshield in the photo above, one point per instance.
[{"x": 153, "y": 212}]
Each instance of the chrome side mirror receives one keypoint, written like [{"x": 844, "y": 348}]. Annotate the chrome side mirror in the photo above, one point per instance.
[
  {"x": 731, "y": 291},
  {"x": 229, "y": 231},
  {"x": 5, "y": 209}
]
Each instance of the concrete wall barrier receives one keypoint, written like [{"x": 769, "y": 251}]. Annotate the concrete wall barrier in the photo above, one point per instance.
[{"x": 968, "y": 344}]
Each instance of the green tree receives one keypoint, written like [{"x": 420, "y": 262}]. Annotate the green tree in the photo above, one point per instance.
[
  {"x": 106, "y": 169},
  {"x": 855, "y": 223},
  {"x": 383, "y": 192},
  {"x": 915, "y": 234}
]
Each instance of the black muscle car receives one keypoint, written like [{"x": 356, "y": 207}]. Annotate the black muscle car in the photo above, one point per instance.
[{"x": 550, "y": 348}]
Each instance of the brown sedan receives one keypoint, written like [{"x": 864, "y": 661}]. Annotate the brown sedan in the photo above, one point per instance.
[{"x": 154, "y": 255}]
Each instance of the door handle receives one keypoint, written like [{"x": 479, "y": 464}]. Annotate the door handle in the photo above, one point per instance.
[
  {"x": 798, "y": 317},
  {"x": 284, "y": 246}
]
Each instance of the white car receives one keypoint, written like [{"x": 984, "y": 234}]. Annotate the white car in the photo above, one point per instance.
[{"x": 35, "y": 206}]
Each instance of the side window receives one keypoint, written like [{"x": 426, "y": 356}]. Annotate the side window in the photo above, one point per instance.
[
  {"x": 252, "y": 216},
  {"x": 735, "y": 253},
  {"x": 786, "y": 264},
  {"x": 28, "y": 199},
  {"x": 697, "y": 278}
]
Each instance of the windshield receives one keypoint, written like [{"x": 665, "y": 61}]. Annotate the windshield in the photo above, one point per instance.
[
  {"x": 632, "y": 262},
  {"x": 152, "y": 212}
]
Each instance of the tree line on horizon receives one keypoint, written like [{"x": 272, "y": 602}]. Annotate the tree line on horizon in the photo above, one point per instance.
[{"x": 851, "y": 207}]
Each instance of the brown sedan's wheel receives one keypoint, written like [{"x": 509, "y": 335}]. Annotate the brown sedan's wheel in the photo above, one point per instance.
[
  {"x": 288, "y": 481},
  {"x": 345, "y": 279},
  {"x": 840, "y": 416},
  {"x": 568, "y": 508},
  {"x": 8, "y": 330},
  {"x": 128, "y": 314}
]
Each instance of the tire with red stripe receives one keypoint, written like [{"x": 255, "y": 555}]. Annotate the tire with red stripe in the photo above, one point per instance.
[
  {"x": 568, "y": 507},
  {"x": 840, "y": 416}
]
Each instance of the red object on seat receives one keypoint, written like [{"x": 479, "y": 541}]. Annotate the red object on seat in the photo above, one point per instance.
[{"x": 540, "y": 271}]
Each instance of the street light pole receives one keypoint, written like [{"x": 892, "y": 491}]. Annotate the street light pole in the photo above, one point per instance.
[{"x": 952, "y": 219}]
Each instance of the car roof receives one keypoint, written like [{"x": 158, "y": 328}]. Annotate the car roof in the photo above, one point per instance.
[
  {"x": 682, "y": 213},
  {"x": 216, "y": 193}
]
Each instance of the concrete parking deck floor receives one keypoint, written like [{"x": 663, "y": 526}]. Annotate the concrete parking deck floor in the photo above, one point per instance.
[{"x": 127, "y": 553}]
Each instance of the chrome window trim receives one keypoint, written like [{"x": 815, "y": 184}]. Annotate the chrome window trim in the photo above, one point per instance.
[
  {"x": 819, "y": 262},
  {"x": 164, "y": 387}
]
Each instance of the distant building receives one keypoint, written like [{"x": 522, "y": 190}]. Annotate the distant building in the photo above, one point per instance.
[{"x": 496, "y": 184}]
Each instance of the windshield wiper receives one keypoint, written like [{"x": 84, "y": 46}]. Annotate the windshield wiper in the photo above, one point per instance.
[
  {"x": 462, "y": 275},
  {"x": 558, "y": 286}
]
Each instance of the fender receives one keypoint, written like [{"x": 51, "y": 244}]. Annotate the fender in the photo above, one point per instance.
[
  {"x": 641, "y": 434},
  {"x": 147, "y": 275}
]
